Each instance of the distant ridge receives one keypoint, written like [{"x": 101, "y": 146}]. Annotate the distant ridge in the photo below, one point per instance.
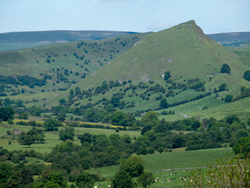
[{"x": 19, "y": 40}]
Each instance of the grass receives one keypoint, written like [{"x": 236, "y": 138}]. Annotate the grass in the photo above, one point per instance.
[
  {"x": 176, "y": 159},
  {"x": 51, "y": 138}
]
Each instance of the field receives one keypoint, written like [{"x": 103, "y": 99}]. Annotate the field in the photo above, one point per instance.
[
  {"x": 51, "y": 138},
  {"x": 172, "y": 161}
]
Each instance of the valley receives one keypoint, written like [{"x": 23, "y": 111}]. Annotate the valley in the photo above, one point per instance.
[{"x": 89, "y": 111}]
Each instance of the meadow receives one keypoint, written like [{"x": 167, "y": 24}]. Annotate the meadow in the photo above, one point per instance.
[{"x": 51, "y": 138}]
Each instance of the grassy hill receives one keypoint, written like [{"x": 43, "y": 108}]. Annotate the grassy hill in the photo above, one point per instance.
[
  {"x": 19, "y": 40},
  {"x": 66, "y": 63},
  {"x": 185, "y": 51},
  {"x": 137, "y": 62}
]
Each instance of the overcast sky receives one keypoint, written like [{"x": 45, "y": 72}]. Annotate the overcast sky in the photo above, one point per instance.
[{"x": 213, "y": 16}]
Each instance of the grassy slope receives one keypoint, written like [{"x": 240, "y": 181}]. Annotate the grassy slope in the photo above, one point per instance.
[
  {"x": 184, "y": 50},
  {"x": 25, "y": 61},
  {"x": 181, "y": 159}
]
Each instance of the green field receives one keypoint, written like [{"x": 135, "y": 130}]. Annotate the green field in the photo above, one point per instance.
[
  {"x": 51, "y": 138},
  {"x": 166, "y": 161}
]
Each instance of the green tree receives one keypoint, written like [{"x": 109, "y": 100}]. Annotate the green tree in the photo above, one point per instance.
[
  {"x": 134, "y": 165},
  {"x": 62, "y": 101},
  {"x": 84, "y": 180},
  {"x": 223, "y": 87},
  {"x": 243, "y": 146},
  {"x": 119, "y": 118},
  {"x": 50, "y": 125},
  {"x": 248, "y": 121},
  {"x": 225, "y": 69},
  {"x": 86, "y": 137},
  {"x": 163, "y": 103},
  {"x": 122, "y": 179},
  {"x": 25, "y": 115},
  {"x": 57, "y": 178},
  {"x": 229, "y": 98},
  {"x": 6, "y": 113},
  {"x": 36, "y": 111},
  {"x": 5, "y": 172},
  {"x": 167, "y": 75},
  {"x": 77, "y": 91},
  {"x": 67, "y": 133},
  {"x": 247, "y": 75},
  {"x": 145, "y": 179}
]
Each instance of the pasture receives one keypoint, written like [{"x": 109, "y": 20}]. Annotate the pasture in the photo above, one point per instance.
[{"x": 51, "y": 138}]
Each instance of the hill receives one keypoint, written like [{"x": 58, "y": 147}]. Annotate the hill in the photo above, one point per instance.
[
  {"x": 19, "y": 40},
  {"x": 234, "y": 39},
  {"x": 185, "y": 51}
]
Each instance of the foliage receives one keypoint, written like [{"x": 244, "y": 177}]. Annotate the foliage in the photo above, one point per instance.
[
  {"x": 163, "y": 103},
  {"x": 247, "y": 75},
  {"x": 225, "y": 69},
  {"x": 228, "y": 98},
  {"x": 32, "y": 136},
  {"x": 223, "y": 87},
  {"x": 51, "y": 125},
  {"x": 145, "y": 179},
  {"x": 67, "y": 133},
  {"x": 232, "y": 173},
  {"x": 6, "y": 113},
  {"x": 122, "y": 179},
  {"x": 167, "y": 75},
  {"x": 243, "y": 146},
  {"x": 84, "y": 180},
  {"x": 134, "y": 166}
]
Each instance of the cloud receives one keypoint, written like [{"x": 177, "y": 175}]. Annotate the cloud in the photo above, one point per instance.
[{"x": 157, "y": 26}]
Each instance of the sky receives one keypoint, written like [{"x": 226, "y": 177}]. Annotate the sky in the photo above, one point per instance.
[{"x": 213, "y": 16}]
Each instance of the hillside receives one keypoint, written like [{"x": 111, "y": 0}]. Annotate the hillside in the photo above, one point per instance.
[
  {"x": 234, "y": 39},
  {"x": 19, "y": 40},
  {"x": 185, "y": 51}
]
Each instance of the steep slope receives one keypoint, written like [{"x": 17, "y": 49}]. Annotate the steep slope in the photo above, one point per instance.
[
  {"x": 19, "y": 40},
  {"x": 184, "y": 50}
]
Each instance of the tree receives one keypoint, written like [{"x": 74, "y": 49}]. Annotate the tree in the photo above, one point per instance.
[
  {"x": 247, "y": 75},
  {"x": 62, "y": 101},
  {"x": 36, "y": 111},
  {"x": 25, "y": 139},
  {"x": 77, "y": 91},
  {"x": 225, "y": 69},
  {"x": 229, "y": 98},
  {"x": 50, "y": 125},
  {"x": 122, "y": 179},
  {"x": 167, "y": 75},
  {"x": 145, "y": 179},
  {"x": 163, "y": 103},
  {"x": 86, "y": 137},
  {"x": 248, "y": 121},
  {"x": 67, "y": 133},
  {"x": 223, "y": 87},
  {"x": 134, "y": 165},
  {"x": 5, "y": 172},
  {"x": 6, "y": 113},
  {"x": 84, "y": 180},
  {"x": 119, "y": 118},
  {"x": 56, "y": 178},
  {"x": 243, "y": 146}
]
